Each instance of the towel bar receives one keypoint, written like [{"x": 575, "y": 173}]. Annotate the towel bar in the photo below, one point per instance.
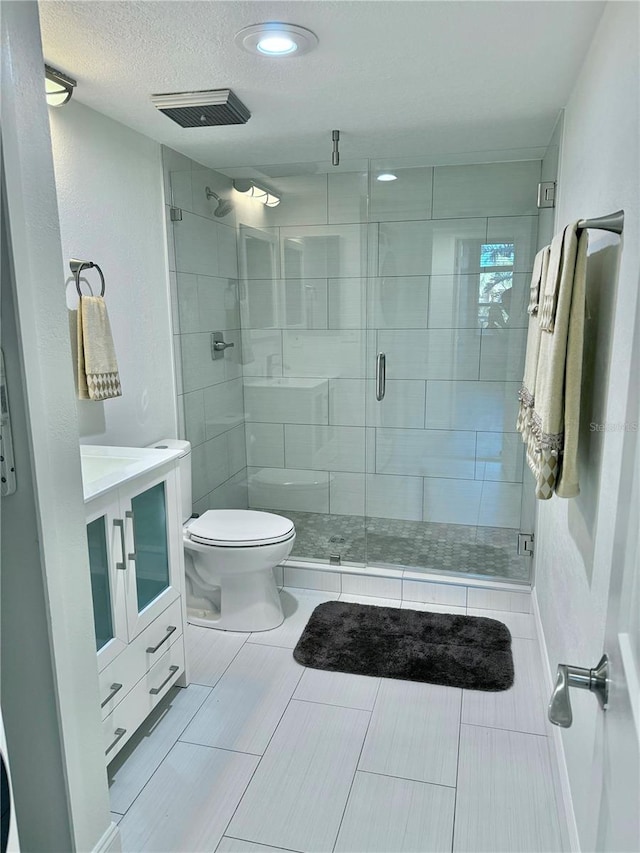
[
  {"x": 77, "y": 266},
  {"x": 611, "y": 222}
]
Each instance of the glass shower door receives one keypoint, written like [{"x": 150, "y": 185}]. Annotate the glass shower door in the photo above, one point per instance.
[{"x": 446, "y": 320}]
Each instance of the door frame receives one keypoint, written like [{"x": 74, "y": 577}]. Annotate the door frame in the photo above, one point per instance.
[{"x": 42, "y": 327}]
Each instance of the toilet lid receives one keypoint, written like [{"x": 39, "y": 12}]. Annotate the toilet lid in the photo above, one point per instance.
[{"x": 240, "y": 528}]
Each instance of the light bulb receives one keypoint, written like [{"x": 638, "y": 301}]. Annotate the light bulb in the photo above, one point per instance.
[
  {"x": 277, "y": 45},
  {"x": 57, "y": 95}
]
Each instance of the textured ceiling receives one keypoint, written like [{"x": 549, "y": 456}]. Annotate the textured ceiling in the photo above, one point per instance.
[{"x": 397, "y": 78}]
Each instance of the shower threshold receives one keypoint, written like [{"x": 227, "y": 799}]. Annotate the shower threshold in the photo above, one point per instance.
[{"x": 310, "y": 574}]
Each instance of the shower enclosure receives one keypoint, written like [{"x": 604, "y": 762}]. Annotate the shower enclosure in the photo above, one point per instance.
[{"x": 379, "y": 336}]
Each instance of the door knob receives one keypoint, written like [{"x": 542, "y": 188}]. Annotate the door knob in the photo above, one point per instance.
[{"x": 596, "y": 680}]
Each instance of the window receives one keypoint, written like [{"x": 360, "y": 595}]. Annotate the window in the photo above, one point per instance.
[{"x": 495, "y": 284}]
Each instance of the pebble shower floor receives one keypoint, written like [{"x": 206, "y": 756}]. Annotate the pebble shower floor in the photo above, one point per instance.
[{"x": 461, "y": 549}]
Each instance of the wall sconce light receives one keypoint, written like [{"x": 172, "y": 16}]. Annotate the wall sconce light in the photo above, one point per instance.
[
  {"x": 58, "y": 86},
  {"x": 259, "y": 193}
]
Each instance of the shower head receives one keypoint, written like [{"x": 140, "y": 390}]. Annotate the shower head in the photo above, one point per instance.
[{"x": 224, "y": 205}]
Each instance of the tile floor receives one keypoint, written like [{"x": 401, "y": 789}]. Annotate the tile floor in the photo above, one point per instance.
[
  {"x": 261, "y": 754},
  {"x": 457, "y": 548}
]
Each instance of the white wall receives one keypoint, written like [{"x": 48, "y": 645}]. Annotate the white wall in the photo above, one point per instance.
[
  {"x": 110, "y": 199},
  {"x": 599, "y": 173}
]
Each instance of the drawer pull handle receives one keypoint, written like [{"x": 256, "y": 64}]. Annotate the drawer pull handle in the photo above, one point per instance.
[
  {"x": 118, "y": 733},
  {"x": 114, "y": 689},
  {"x": 119, "y": 522},
  {"x": 170, "y": 630},
  {"x": 172, "y": 671},
  {"x": 129, "y": 514}
]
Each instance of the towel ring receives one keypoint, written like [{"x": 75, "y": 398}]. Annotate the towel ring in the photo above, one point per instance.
[{"x": 76, "y": 269}]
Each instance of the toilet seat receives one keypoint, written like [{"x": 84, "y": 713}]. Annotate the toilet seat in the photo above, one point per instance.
[{"x": 240, "y": 528}]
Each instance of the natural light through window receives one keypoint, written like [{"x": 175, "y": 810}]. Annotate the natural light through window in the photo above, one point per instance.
[{"x": 495, "y": 284}]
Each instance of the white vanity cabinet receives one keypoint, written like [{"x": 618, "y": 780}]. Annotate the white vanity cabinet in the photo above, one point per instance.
[{"x": 136, "y": 561}]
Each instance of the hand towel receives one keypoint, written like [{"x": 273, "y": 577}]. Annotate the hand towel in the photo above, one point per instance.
[
  {"x": 98, "y": 377},
  {"x": 527, "y": 389},
  {"x": 561, "y": 265},
  {"x": 537, "y": 279},
  {"x": 552, "y": 446}
]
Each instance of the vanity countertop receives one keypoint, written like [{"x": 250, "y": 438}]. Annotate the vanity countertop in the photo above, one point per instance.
[{"x": 104, "y": 468}]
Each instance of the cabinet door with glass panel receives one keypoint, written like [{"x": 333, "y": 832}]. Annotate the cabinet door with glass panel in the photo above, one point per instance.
[
  {"x": 105, "y": 536},
  {"x": 135, "y": 550},
  {"x": 153, "y": 539}
]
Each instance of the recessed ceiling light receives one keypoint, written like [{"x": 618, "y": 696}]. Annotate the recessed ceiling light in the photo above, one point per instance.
[
  {"x": 276, "y": 39},
  {"x": 276, "y": 45},
  {"x": 387, "y": 176}
]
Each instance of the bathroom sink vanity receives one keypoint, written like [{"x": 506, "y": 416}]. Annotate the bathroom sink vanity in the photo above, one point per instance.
[{"x": 134, "y": 532}]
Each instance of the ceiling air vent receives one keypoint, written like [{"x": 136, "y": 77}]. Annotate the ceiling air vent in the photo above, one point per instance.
[{"x": 202, "y": 109}]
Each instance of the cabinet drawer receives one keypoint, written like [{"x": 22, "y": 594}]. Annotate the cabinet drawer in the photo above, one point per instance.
[
  {"x": 138, "y": 704},
  {"x": 117, "y": 679}
]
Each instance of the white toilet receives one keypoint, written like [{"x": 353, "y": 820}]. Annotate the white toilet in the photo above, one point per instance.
[{"x": 230, "y": 555}]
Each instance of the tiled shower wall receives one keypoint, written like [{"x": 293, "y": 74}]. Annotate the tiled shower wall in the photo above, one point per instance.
[
  {"x": 346, "y": 267},
  {"x": 204, "y": 289}
]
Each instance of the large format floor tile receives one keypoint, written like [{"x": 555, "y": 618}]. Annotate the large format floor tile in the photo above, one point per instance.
[
  {"x": 338, "y": 688},
  {"x": 520, "y": 624},
  {"x": 187, "y": 804},
  {"x": 351, "y": 764},
  {"x": 505, "y": 800},
  {"x": 244, "y": 708},
  {"x": 209, "y": 652},
  {"x": 522, "y": 707},
  {"x": 297, "y": 797},
  {"x": 236, "y": 845},
  {"x": 414, "y": 732},
  {"x": 298, "y": 605},
  {"x": 132, "y": 768},
  {"x": 385, "y": 814}
]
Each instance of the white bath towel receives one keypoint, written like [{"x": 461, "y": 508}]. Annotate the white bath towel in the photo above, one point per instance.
[
  {"x": 98, "y": 377},
  {"x": 553, "y": 441}
]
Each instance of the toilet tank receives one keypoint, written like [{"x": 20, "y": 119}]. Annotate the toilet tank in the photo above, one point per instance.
[{"x": 184, "y": 463}]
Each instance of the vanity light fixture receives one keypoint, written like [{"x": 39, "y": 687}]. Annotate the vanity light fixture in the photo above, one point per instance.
[
  {"x": 276, "y": 39},
  {"x": 259, "y": 193},
  {"x": 58, "y": 86},
  {"x": 387, "y": 176}
]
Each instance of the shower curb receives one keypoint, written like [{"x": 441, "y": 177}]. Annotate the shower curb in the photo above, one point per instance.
[{"x": 410, "y": 585}]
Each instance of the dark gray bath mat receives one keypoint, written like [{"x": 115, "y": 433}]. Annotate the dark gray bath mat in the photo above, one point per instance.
[{"x": 441, "y": 648}]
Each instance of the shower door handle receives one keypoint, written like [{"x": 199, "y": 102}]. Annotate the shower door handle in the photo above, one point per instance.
[{"x": 381, "y": 375}]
